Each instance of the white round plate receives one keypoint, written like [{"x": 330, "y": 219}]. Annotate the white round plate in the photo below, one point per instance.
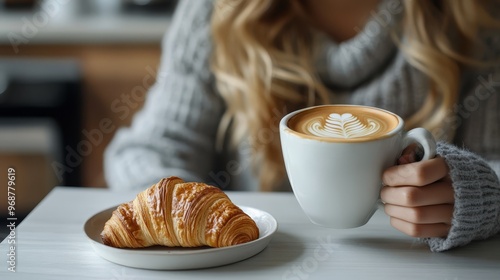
[{"x": 167, "y": 258}]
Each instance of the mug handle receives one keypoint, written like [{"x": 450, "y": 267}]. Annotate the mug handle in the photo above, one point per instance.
[{"x": 423, "y": 137}]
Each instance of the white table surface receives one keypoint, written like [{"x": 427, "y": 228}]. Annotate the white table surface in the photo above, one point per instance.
[{"x": 51, "y": 244}]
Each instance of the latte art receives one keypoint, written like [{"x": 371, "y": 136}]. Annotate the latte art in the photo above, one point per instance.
[
  {"x": 342, "y": 126},
  {"x": 344, "y": 123}
]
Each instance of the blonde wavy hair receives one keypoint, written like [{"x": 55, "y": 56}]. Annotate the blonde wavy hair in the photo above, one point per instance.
[{"x": 263, "y": 65}]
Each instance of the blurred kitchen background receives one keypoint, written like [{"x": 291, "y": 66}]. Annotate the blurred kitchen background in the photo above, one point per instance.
[{"x": 71, "y": 73}]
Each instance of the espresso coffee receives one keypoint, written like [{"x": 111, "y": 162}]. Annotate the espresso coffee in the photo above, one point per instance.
[{"x": 344, "y": 123}]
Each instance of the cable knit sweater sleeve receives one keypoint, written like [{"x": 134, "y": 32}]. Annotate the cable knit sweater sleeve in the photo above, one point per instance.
[
  {"x": 477, "y": 199},
  {"x": 174, "y": 133},
  {"x": 476, "y": 178}
]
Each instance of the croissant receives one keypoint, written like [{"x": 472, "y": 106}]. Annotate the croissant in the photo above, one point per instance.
[{"x": 174, "y": 213}]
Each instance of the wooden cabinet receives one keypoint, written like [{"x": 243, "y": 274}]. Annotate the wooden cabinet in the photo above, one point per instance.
[{"x": 115, "y": 79}]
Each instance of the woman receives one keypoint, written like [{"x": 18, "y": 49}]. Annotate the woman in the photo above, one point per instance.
[{"x": 231, "y": 69}]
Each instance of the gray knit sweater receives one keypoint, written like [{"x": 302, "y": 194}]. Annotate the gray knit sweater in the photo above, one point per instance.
[{"x": 174, "y": 134}]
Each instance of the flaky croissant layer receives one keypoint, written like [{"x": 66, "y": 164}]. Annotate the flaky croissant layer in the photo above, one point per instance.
[{"x": 175, "y": 213}]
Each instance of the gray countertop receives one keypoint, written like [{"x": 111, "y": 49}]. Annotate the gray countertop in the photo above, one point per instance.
[{"x": 63, "y": 23}]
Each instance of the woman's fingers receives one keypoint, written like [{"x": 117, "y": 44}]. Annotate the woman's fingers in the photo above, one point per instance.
[
  {"x": 419, "y": 196},
  {"x": 421, "y": 230},
  {"x": 417, "y": 173},
  {"x": 440, "y": 192},
  {"x": 432, "y": 214},
  {"x": 420, "y": 211}
]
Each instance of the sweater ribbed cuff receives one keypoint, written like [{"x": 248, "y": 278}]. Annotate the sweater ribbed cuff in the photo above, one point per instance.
[{"x": 477, "y": 199}]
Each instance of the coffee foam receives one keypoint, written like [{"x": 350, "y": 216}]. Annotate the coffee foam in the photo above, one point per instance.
[{"x": 344, "y": 123}]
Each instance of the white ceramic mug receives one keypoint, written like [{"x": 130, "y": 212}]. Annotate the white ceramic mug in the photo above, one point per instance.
[{"x": 335, "y": 156}]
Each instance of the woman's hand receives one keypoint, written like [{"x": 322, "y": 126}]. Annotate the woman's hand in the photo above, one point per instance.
[{"x": 418, "y": 196}]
